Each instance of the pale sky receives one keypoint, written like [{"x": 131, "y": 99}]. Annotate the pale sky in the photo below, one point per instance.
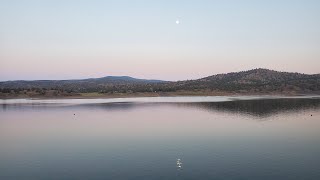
[{"x": 71, "y": 39}]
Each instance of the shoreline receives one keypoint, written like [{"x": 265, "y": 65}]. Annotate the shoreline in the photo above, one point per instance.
[
  {"x": 167, "y": 94},
  {"x": 163, "y": 99}
]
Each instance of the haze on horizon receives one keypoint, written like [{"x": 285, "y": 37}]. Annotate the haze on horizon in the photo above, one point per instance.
[{"x": 80, "y": 39}]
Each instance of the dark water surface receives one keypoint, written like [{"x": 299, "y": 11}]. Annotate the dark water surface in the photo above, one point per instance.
[{"x": 241, "y": 139}]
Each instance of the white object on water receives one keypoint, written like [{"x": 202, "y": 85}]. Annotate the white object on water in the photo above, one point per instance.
[{"x": 179, "y": 163}]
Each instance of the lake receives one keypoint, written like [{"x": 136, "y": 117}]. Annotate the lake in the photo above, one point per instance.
[{"x": 248, "y": 137}]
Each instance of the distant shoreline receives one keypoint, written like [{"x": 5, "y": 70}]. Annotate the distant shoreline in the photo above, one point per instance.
[
  {"x": 252, "y": 82},
  {"x": 151, "y": 94}
]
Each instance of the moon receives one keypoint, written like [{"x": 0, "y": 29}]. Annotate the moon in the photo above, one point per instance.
[{"x": 177, "y": 21}]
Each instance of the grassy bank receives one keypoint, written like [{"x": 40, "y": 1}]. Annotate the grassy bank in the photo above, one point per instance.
[{"x": 138, "y": 94}]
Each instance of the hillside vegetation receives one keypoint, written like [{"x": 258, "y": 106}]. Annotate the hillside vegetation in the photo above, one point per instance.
[{"x": 256, "y": 81}]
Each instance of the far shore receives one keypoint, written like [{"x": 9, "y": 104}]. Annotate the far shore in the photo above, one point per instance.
[{"x": 149, "y": 94}]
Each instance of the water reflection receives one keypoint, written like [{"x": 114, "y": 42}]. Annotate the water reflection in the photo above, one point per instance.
[
  {"x": 260, "y": 108},
  {"x": 143, "y": 140}
]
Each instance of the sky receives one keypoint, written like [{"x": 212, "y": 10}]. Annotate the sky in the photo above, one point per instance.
[{"x": 72, "y": 39}]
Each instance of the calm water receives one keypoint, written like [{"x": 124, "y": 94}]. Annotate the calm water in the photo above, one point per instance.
[{"x": 215, "y": 138}]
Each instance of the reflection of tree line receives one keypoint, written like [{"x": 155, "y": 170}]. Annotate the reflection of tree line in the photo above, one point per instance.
[
  {"x": 261, "y": 108},
  {"x": 105, "y": 106}
]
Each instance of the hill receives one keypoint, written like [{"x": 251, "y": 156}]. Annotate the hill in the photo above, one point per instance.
[
  {"x": 78, "y": 84},
  {"x": 255, "y": 81}
]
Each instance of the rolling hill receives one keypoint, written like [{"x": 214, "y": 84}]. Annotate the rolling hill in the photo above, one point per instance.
[
  {"x": 255, "y": 81},
  {"x": 78, "y": 83}
]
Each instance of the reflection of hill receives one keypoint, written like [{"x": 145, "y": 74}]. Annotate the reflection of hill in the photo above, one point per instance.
[
  {"x": 261, "y": 108},
  {"x": 120, "y": 106}
]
